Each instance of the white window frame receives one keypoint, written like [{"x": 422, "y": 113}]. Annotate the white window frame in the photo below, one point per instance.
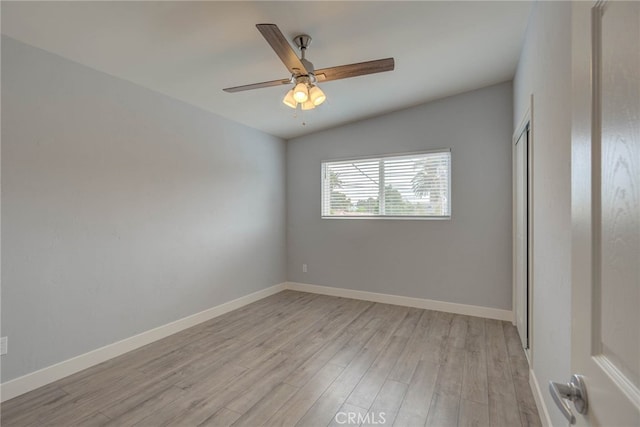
[{"x": 381, "y": 186}]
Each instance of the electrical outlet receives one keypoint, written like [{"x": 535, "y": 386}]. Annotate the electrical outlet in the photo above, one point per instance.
[
  {"x": 4, "y": 342},
  {"x": 304, "y": 268}
]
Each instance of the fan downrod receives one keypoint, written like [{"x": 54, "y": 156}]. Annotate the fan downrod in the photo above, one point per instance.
[{"x": 303, "y": 41}]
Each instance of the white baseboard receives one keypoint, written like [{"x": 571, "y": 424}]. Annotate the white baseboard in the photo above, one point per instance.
[
  {"x": 26, "y": 383},
  {"x": 537, "y": 395},
  {"x": 449, "y": 307}
]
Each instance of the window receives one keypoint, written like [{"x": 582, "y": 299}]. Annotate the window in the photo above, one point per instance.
[{"x": 413, "y": 185}]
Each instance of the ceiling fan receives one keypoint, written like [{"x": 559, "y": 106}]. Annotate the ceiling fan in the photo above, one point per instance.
[{"x": 304, "y": 76}]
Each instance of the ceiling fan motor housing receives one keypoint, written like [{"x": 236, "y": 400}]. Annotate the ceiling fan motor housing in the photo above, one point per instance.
[
  {"x": 308, "y": 65},
  {"x": 302, "y": 41}
]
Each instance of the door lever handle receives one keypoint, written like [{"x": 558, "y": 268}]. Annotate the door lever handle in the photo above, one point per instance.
[{"x": 574, "y": 391}]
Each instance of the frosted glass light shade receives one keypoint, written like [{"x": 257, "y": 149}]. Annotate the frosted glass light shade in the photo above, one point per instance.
[
  {"x": 308, "y": 105},
  {"x": 301, "y": 93},
  {"x": 317, "y": 96},
  {"x": 289, "y": 100}
]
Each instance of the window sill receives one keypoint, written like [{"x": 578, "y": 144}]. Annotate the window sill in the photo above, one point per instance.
[{"x": 402, "y": 218}]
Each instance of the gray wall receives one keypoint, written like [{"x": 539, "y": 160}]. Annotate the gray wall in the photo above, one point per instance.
[
  {"x": 464, "y": 260},
  {"x": 123, "y": 209},
  {"x": 545, "y": 71}
]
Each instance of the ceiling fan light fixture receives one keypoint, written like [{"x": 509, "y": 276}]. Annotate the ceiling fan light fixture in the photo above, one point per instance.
[
  {"x": 316, "y": 95},
  {"x": 308, "y": 105},
  {"x": 289, "y": 100},
  {"x": 301, "y": 93}
]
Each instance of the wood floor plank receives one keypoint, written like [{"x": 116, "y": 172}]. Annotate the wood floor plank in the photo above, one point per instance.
[
  {"x": 191, "y": 409},
  {"x": 307, "y": 369},
  {"x": 271, "y": 322},
  {"x": 294, "y": 409},
  {"x": 235, "y": 324},
  {"x": 82, "y": 402},
  {"x": 474, "y": 379},
  {"x": 437, "y": 337},
  {"x": 22, "y": 409},
  {"x": 349, "y": 415},
  {"x": 223, "y": 418},
  {"x": 235, "y": 350},
  {"x": 127, "y": 408},
  {"x": 377, "y": 316},
  {"x": 331, "y": 344},
  {"x": 367, "y": 389},
  {"x": 347, "y": 352},
  {"x": 267, "y": 406},
  {"x": 409, "y": 323},
  {"x": 301, "y": 359},
  {"x": 512, "y": 339},
  {"x": 249, "y": 388},
  {"x": 195, "y": 412},
  {"x": 530, "y": 419},
  {"x": 524, "y": 396},
  {"x": 445, "y": 403},
  {"x": 204, "y": 398},
  {"x": 503, "y": 405},
  {"x": 476, "y": 338},
  {"x": 333, "y": 323},
  {"x": 260, "y": 388},
  {"x": 458, "y": 331},
  {"x": 496, "y": 348},
  {"x": 473, "y": 414},
  {"x": 223, "y": 326},
  {"x": 133, "y": 410},
  {"x": 520, "y": 378},
  {"x": 503, "y": 408},
  {"x": 451, "y": 372},
  {"x": 519, "y": 366},
  {"x": 211, "y": 363},
  {"x": 323, "y": 411},
  {"x": 101, "y": 379},
  {"x": 444, "y": 410},
  {"x": 415, "y": 348},
  {"x": 333, "y": 398},
  {"x": 248, "y": 324},
  {"x": 185, "y": 357},
  {"x": 387, "y": 404},
  {"x": 308, "y": 336},
  {"x": 95, "y": 419},
  {"x": 415, "y": 405}
]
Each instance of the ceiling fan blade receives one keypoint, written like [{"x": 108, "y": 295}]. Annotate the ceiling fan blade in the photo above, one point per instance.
[
  {"x": 358, "y": 69},
  {"x": 281, "y": 46},
  {"x": 258, "y": 85}
]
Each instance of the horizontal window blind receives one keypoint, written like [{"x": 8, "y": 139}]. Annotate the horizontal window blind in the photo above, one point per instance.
[{"x": 411, "y": 185}]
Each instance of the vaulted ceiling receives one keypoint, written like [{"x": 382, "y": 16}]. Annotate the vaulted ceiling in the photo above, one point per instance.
[{"x": 192, "y": 50}]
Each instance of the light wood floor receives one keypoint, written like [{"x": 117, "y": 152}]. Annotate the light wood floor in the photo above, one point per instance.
[{"x": 302, "y": 359}]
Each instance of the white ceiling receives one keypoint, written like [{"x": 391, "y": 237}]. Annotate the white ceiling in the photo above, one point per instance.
[{"x": 191, "y": 50}]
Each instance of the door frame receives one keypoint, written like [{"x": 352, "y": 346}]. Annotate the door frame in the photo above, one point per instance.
[{"x": 527, "y": 120}]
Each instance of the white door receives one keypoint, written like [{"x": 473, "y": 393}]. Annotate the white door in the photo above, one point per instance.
[
  {"x": 521, "y": 219},
  {"x": 606, "y": 211}
]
